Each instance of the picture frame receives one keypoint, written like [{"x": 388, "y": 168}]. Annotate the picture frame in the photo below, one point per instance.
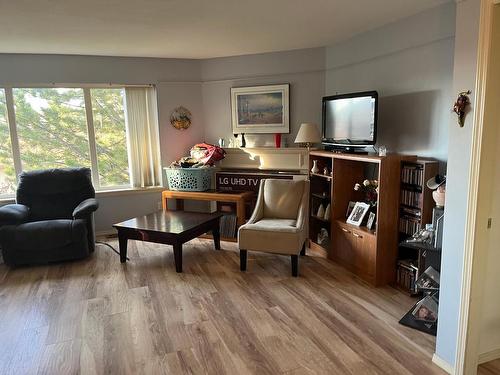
[
  {"x": 371, "y": 220},
  {"x": 426, "y": 310},
  {"x": 260, "y": 109},
  {"x": 358, "y": 213},
  {"x": 350, "y": 206}
]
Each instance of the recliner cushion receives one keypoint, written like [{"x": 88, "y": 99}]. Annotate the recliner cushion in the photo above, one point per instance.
[
  {"x": 43, "y": 235},
  {"x": 282, "y": 198},
  {"x": 54, "y": 193}
]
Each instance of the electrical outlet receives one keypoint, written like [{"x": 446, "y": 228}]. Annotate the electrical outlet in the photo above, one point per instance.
[
  {"x": 489, "y": 222},
  {"x": 159, "y": 205}
]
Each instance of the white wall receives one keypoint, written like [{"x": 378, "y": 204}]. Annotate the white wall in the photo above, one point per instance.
[
  {"x": 489, "y": 340},
  {"x": 175, "y": 143},
  {"x": 33, "y": 69},
  {"x": 410, "y": 64},
  {"x": 459, "y": 155},
  {"x": 302, "y": 69}
]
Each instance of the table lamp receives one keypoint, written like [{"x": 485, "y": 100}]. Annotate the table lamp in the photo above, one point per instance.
[{"x": 308, "y": 134}]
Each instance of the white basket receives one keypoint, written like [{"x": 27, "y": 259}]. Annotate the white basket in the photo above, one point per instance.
[{"x": 189, "y": 179}]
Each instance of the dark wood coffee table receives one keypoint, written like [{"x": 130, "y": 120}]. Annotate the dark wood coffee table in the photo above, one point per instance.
[{"x": 170, "y": 228}]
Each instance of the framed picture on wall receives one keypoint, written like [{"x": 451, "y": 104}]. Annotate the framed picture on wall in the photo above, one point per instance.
[{"x": 260, "y": 109}]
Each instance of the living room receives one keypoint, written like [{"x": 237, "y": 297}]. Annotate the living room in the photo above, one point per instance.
[{"x": 100, "y": 315}]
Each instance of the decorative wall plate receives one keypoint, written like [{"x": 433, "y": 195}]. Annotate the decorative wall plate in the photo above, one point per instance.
[{"x": 180, "y": 118}]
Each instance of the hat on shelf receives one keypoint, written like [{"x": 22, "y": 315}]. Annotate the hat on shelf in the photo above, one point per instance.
[{"x": 436, "y": 181}]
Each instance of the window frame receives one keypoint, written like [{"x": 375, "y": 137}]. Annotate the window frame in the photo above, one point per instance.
[{"x": 14, "y": 138}]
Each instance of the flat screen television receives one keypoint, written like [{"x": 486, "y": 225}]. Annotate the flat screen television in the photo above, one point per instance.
[{"x": 350, "y": 120}]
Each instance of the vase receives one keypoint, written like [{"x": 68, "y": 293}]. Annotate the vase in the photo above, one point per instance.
[
  {"x": 315, "y": 168},
  {"x": 321, "y": 211},
  {"x": 327, "y": 213},
  {"x": 439, "y": 197}
]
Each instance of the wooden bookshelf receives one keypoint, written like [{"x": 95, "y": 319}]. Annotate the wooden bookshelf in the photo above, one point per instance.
[
  {"x": 416, "y": 201},
  {"x": 415, "y": 210},
  {"x": 369, "y": 253},
  {"x": 320, "y": 194}
]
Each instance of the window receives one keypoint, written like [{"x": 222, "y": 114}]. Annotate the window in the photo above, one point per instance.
[
  {"x": 66, "y": 127},
  {"x": 51, "y": 128},
  {"x": 7, "y": 170},
  {"x": 110, "y": 136}
]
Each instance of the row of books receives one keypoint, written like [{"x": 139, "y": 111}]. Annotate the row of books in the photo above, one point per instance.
[
  {"x": 410, "y": 198},
  {"x": 228, "y": 226},
  {"x": 412, "y": 175},
  {"x": 411, "y": 211},
  {"x": 409, "y": 225},
  {"x": 406, "y": 275}
]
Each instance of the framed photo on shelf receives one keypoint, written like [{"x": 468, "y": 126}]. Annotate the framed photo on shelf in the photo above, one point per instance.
[
  {"x": 350, "y": 206},
  {"x": 260, "y": 109},
  {"x": 371, "y": 220},
  {"x": 358, "y": 213}
]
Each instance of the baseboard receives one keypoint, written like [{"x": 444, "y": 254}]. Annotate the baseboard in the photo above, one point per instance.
[
  {"x": 489, "y": 356},
  {"x": 438, "y": 361},
  {"x": 105, "y": 233}
]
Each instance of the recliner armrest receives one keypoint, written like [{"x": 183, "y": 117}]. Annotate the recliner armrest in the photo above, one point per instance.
[
  {"x": 85, "y": 208},
  {"x": 14, "y": 214}
]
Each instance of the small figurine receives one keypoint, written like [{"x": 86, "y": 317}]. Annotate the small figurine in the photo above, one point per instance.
[
  {"x": 315, "y": 168},
  {"x": 325, "y": 171},
  {"x": 461, "y": 106}
]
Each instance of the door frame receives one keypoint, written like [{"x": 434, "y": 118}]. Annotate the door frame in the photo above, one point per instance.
[{"x": 466, "y": 360}]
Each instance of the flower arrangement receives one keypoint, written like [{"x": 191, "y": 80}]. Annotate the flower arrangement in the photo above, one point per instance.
[{"x": 370, "y": 187}]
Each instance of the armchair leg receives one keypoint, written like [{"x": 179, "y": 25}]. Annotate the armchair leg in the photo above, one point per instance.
[
  {"x": 295, "y": 265},
  {"x": 303, "y": 251},
  {"x": 243, "y": 260}
]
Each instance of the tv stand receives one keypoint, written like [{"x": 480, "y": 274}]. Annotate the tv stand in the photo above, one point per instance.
[
  {"x": 369, "y": 252},
  {"x": 346, "y": 149}
]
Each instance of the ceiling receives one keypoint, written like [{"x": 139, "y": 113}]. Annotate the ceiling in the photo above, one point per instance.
[{"x": 190, "y": 28}]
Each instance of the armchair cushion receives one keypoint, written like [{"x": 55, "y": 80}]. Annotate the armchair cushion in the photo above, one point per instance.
[
  {"x": 279, "y": 236},
  {"x": 282, "y": 198},
  {"x": 14, "y": 214},
  {"x": 85, "y": 208}
]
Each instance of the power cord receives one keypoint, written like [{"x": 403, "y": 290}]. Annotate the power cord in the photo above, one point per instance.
[{"x": 111, "y": 247}]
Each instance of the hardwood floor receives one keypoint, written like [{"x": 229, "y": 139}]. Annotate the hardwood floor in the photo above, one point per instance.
[
  {"x": 99, "y": 316},
  {"x": 489, "y": 368}
]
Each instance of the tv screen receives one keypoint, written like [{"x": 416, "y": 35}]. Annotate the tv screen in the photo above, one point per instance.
[{"x": 350, "y": 119}]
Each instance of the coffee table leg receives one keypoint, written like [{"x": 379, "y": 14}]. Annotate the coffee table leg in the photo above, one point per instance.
[
  {"x": 178, "y": 257},
  {"x": 122, "y": 241},
  {"x": 216, "y": 235}
]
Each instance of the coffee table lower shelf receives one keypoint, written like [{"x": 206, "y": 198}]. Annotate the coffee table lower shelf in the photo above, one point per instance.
[{"x": 226, "y": 239}]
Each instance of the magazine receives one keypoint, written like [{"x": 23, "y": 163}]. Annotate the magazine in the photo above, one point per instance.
[
  {"x": 426, "y": 310},
  {"x": 429, "y": 280}
]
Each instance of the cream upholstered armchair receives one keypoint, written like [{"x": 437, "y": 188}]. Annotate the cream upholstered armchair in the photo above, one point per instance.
[{"x": 279, "y": 221}]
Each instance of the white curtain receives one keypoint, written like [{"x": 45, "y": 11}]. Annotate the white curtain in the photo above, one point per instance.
[{"x": 142, "y": 136}]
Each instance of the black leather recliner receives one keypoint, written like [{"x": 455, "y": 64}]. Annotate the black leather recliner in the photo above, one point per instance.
[{"x": 52, "y": 220}]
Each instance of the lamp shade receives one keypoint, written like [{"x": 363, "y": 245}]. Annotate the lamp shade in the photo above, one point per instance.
[{"x": 308, "y": 133}]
